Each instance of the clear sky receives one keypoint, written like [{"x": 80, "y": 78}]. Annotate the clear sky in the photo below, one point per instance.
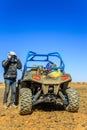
[{"x": 45, "y": 26}]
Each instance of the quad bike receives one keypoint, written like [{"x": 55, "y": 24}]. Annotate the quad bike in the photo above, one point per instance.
[{"x": 44, "y": 80}]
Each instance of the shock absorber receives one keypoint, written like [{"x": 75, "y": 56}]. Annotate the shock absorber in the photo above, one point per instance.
[
  {"x": 37, "y": 95},
  {"x": 63, "y": 98}
]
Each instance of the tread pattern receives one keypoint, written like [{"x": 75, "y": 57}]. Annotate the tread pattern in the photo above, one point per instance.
[
  {"x": 25, "y": 101},
  {"x": 73, "y": 99}
]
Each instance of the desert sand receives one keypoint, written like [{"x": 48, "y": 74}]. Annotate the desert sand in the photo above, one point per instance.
[{"x": 46, "y": 116}]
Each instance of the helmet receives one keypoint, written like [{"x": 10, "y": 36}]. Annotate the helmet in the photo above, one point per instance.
[{"x": 11, "y": 53}]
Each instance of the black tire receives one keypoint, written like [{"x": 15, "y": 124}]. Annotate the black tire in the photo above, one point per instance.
[
  {"x": 73, "y": 100},
  {"x": 25, "y": 101}
]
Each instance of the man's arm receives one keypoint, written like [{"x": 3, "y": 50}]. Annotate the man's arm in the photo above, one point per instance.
[
  {"x": 5, "y": 63},
  {"x": 19, "y": 64}
]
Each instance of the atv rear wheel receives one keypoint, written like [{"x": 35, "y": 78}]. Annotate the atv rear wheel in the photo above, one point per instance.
[
  {"x": 73, "y": 100},
  {"x": 25, "y": 101}
]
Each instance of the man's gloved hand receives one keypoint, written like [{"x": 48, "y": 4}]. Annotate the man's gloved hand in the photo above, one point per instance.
[
  {"x": 9, "y": 58},
  {"x": 16, "y": 57},
  {"x": 13, "y": 58}
]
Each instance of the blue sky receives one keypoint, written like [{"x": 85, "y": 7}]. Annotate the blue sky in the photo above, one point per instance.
[{"x": 46, "y": 26}]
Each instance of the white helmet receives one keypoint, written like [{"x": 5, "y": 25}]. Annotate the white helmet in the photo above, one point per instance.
[{"x": 11, "y": 53}]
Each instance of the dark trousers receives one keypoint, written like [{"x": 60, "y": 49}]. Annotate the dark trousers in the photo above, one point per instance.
[{"x": 9, "y": 84}]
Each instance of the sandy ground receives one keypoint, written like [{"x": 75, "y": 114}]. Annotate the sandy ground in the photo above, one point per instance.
[{"x": 46, "y": 116}]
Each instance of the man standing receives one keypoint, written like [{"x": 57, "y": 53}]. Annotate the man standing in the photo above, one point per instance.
[{"x": 10, "y": 65}]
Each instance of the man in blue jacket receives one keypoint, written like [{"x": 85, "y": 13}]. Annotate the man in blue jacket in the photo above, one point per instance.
[{"x": 10, "y": 65}]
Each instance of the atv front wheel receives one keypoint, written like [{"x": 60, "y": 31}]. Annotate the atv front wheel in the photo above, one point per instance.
[
  {"x": 73, "y": 100},
  {"x": 25, "y": 101}
]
